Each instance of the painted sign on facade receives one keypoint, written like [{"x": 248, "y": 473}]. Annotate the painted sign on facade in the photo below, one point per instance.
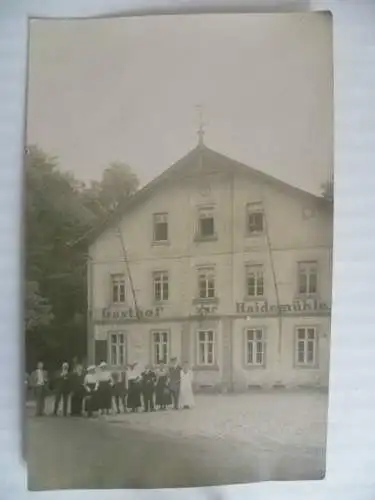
[
  {"x": 255, "y": 308},
  {"x": 131, "y": 313},
  {"x": 297, "y": 307}
]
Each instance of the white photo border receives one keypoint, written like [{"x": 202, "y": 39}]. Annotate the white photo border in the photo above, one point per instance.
[{"x": 351, "y": 440}]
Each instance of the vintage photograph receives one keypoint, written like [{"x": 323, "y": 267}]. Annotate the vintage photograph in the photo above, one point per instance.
[{"x": 178, "y": 250}]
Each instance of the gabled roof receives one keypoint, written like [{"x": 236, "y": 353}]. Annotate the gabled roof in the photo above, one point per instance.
[{"x": 200, "y": 159}]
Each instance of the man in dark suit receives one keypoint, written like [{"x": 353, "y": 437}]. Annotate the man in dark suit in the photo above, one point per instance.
[
  {"x": 38, "y": 382},
  {"x": 174, "y": 375},
  {"x": 63, "y": 389},
  {"x": 148, "y": 388}
]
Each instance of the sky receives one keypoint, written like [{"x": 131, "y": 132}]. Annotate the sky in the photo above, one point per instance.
[{"x": 128, "y": 89}]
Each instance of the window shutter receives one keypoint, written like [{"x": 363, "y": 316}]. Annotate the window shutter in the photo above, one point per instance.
[{"x": 100, "y": 351}]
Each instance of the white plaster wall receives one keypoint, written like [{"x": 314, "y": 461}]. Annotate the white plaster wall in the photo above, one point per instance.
[
  {"x": 139, "y": 337},
  {"x": 245, "y": 376},
  {"x": 292, "y": 236},
  {"x": 201, "y": 376},
  {"x": 294, "y": 375}
]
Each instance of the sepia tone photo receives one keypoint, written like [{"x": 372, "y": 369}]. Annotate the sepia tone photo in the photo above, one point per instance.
[{"x": 178, "y": 246}]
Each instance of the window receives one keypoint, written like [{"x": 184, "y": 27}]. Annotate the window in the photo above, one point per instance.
[
  {"x": 160, "y": 227},
  {"x": 117, "y": 349},
  {"x": 307, "y": 278},
  {"x": 206, "y": 347},
  {"x": 206, "y": 283},
  {"x": 160, "y": 347},
  {"x": 255, "y": 218},
  {"x": 206, "y": 223},
  {"x": 306, "y": 345},
  {"x": 118, "y": 288},
  {"x": 255, "y": 347},
  {"x": 254, "y": 281},
  {"x": 161, "y": 286}
]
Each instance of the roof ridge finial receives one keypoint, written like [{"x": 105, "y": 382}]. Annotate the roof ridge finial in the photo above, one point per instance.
[{"x": 201, "y": 125}]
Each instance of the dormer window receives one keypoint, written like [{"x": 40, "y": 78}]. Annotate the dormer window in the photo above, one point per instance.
[{"x": 254, "y": 219}]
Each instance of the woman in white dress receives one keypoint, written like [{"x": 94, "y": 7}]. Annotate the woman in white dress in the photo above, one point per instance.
[{"x": 186, "y": 399}]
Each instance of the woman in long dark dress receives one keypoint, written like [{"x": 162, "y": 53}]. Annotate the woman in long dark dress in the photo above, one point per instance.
[
  {"x": 104, "y": 388},
  {"x": 91, "y": 389},
  {"x": 162, "y": 393},
  {"x": 134, "y": 387},
  {"x": 78, "y": 392}
]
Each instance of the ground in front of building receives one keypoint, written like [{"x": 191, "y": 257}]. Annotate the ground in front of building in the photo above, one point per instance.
[{"x": 224, "y": 439}]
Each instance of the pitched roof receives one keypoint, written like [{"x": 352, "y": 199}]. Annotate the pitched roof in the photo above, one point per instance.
[{"x": 201, "y": 157}]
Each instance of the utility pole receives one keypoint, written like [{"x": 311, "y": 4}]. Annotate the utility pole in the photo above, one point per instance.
[
  {"x": 128, "y": 270},
  {"x": 279, "y": 318}
]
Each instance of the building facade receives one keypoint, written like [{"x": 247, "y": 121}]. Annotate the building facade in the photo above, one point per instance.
[{"x": 222, "y": 266}]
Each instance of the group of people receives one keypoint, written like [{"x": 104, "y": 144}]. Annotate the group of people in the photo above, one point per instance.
[{"x": 99, "y": 390}]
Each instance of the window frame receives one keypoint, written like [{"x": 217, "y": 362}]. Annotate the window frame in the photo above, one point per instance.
[
  {"x": 199, "y": 236},
  {"x": 249, "y": 266},
  {"x": 251, "y": 209},
  {"x": 204, "y": 365},
  {"x": 305, "y": 364},
  {"x": 159, "y": 331},
  {"x": 155, "y": 223},
  {"x": 122, "y": 344},
  {"x": 255, "y": 341},
  {"x": 154, "y": 276},
  {"x": 208, "y": 269},
  {"x": 113, "y": 278},
  {"x": 308, "y": 293}
]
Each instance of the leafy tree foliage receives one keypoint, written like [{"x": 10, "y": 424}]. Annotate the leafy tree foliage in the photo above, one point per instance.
[
  {"x": 118, "y": 182},
  {"x": 60, "y": 209},
  {"x": 37, "y": 309}
]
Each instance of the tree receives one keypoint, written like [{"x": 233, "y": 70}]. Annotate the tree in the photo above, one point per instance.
[
  {"x": 60, "y": 209},
  {"x": 37, "y": 309},
  {"x": 118, "y": 182},
  {"x": 54, "y": 273}
]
